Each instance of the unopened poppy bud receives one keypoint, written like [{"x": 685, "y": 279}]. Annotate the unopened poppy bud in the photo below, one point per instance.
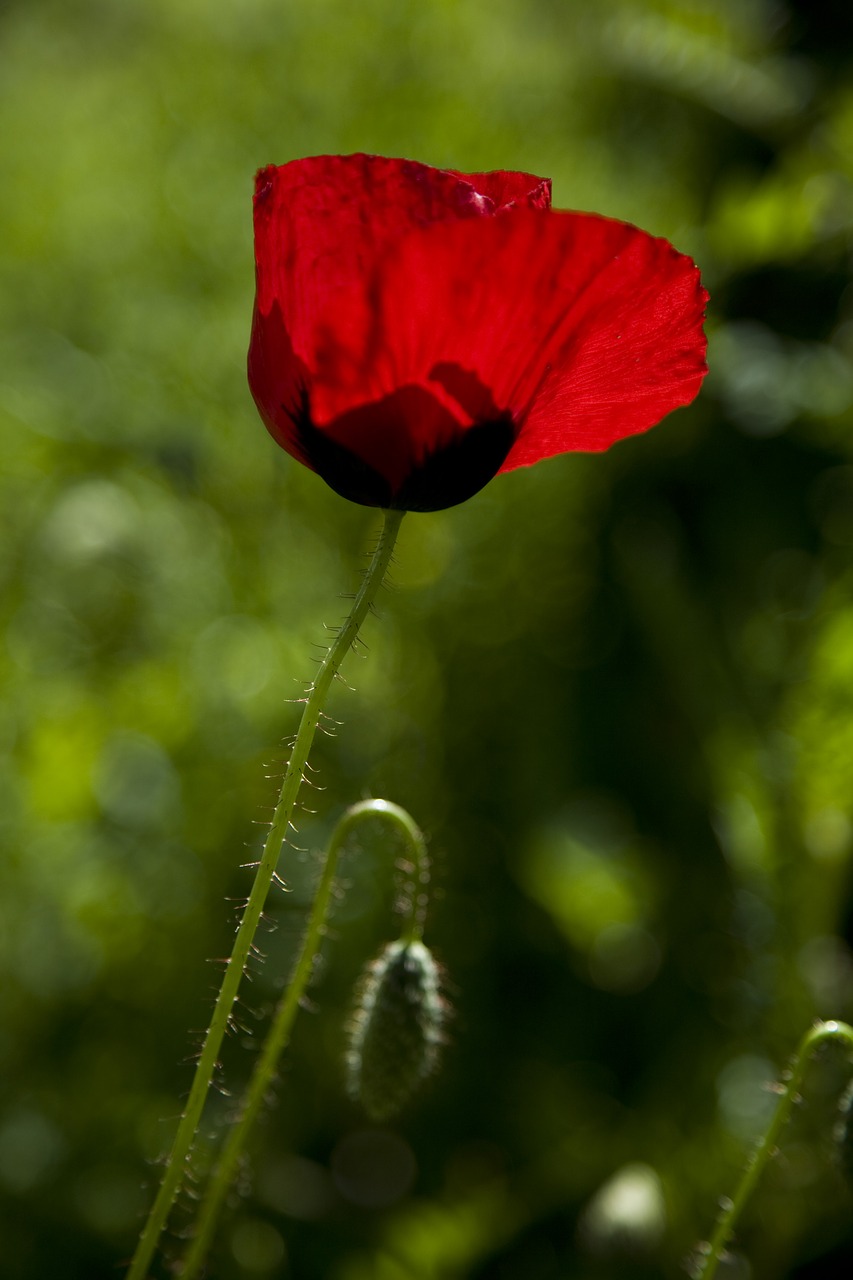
[
  {"x": 844, "y": 1132},
  {"x": 397, "y": 1030}
]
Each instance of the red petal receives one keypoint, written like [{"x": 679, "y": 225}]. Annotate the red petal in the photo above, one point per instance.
[
  {"x": 321, "y": 225},
  {"x": 510, "y": 190},
  {"x": 277, "y": 378},
  {"x": 586, "y": 329}
]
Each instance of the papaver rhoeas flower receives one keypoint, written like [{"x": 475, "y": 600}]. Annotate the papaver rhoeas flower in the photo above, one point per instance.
[{"x": 418, "y": 330}]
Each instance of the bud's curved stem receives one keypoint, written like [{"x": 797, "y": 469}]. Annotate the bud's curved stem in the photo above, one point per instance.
[
  {"x": 732, "y": 1209},
  {"x": 416, "y": 898},
  {"x": 178, "y": 1160},
  {"x": 279, "y": 1033}
]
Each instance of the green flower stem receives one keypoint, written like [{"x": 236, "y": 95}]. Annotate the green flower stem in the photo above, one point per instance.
[
  {"x": 413, "y": 929},
  {"x": 178, "y": 1161},
  {"x": 733, "y": 1208},
  {"x": 278, "y": 1037}
]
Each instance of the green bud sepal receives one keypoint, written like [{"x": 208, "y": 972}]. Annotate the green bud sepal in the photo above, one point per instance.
[{"x": 397, "y": 1029}]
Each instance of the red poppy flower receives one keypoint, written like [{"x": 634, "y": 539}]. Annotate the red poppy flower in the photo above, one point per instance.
[{"x": 417, "y": 330}]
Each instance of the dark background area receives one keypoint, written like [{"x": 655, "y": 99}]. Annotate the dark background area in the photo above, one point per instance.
[{"x": 615, "y": 690}]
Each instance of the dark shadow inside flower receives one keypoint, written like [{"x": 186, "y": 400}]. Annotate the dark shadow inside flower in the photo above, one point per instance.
[
  {"x": 416, "y": 449},
  {"x": 407, "y": 450},
  {"x": 469, "y": 392}
]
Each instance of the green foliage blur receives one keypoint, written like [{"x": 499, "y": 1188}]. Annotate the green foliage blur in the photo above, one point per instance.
[{"x": 616, "y": 690}]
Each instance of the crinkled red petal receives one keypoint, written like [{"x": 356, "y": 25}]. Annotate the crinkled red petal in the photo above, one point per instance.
[
  {"x": 584, "y": 329},
  {"x": 509, "y": 190},
  {"x": 321, "y": 226}
]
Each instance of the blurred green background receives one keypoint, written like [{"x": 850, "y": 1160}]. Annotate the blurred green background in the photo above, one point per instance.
[{"x": 616, "y": 690}]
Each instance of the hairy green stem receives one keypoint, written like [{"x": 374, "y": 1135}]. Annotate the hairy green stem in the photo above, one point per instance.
[
  {"x": 416, "y": 900},
  {"x": 178, "y": 1161},
  {"x": 733, "y": 1208},
  {"x": 279, "y": 1034}
]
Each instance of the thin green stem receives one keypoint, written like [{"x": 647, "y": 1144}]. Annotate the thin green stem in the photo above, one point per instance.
[
  {"x": 178, "y": 1161},
  {"x": 733, "y": 1208},
  {"x": 416, "y": 898},
  {"x": 279, "y": 1034}
]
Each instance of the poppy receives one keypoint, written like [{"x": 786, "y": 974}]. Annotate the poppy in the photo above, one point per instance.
[{"x": 418, "y": 330}]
